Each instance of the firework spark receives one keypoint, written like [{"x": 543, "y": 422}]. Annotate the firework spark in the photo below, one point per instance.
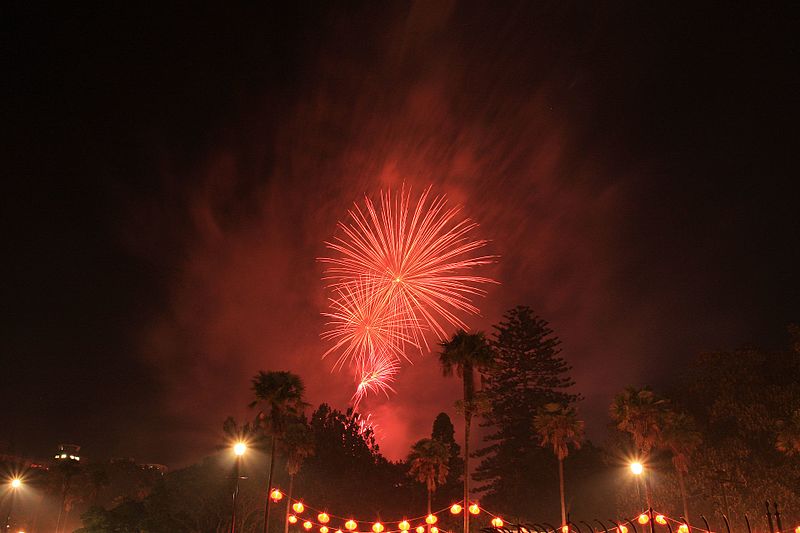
[
  {"x": 415, "y": 261},
  {"x": 399, "y": 271}
]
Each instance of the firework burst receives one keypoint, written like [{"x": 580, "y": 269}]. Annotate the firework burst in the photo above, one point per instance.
[{"x": 398, "y": 272}]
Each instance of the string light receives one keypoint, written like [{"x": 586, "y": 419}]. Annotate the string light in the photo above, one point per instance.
[
  {"x": 350, "y": 525},
  {"x": 683, "y": 528},
  {"x": 308, "y": 525},
  {"x": 643, "y": 518},
  {"x": 276, "y": 495},
  {"x": 623, "y": 528},
  {"x": 323, "y": 529},
  {"x": 474, "y": 509},
  {"x": 298, "y": 507},
  {"x": 292, "y": 519},
  {"x": 431, "y": 519},
  {"x": 405, "y": 526},
  {"x": 434, "y": 529},
  {"x": 565, "y": 529},
  {"x": 497, "y": 521},
  {"x": 661, "y": 520},
  {"x": 455, "y": 509},
  {"x": 420, "y": 529},
  {"x": 377, "y": 527},
  {"x": 323, "y": 518}
]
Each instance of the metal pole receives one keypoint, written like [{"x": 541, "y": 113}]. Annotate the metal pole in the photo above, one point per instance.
[
  {"x": 652, "y": 522},
  {"x": 769, "y": 518},
  {"x": 747, "y": 521},
  {"x": 235, "y": 493},
  {"x": 269, "y": 484},
  {"x": 777, "y": 517},
  {"x": 10, "y": 508},
  {"x": 727, "y": 525},
  {"x": 708, "y": 527}
]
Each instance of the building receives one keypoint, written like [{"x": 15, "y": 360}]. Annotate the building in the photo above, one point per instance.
[{"x": 68, "y": 452}]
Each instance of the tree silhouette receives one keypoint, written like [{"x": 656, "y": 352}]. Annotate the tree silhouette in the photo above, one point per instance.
[
  {"x": 559, "y": 427},
  {"x": 280, "y": 397},
  {"x": 465, "y": 354}
]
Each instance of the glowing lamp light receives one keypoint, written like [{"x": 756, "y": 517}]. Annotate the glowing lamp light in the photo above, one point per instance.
[
  {"x": 455, "y": 509},
  {"x": 683, "y": 528},
  {"x": 308, "y": 525},
  {"x": 643, "y": 518},
  {"x": 323, "y": 518},
  {"x": 377, "y": 527},
  {"x": 497, "y": 521},
  {"x": 564, "y": 529},
  {"x": 474, "y": 509},
  {"x": 637, "y": 468},
  {"x": 276, "y": 495},
  {"x": 420, "y": 529},
  {"x": 338, "y": 531},
  {"x": 623, "y": 528},
  {"x": 239, "y": 448},
  {"x": 350, "y": 525},
  {"x": 434, "y": 529},
  {"x": 431, "y": 519},
  {"x": 16, "y": 483},
  {"x": 323, "y": 529},
  {"x": 299, "y": 507},
  {"x": 292, "y": 519},
  {"x": 661, "y": 520},
  {"x": 797, "y": 529},
  {"x": 405, "y": 526}
]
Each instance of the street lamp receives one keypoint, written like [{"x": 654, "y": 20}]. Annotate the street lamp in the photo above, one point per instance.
[
  {"x": 638, "y": 470},
  {"x": 239, "y": 450},
  {"x": 15, "y": 484}
]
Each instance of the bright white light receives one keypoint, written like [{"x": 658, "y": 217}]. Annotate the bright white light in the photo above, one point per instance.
[
  {"x": 637, "y": 468},
  {"x": 16, "y": 483},
  {"x": 239, "y": 448}
]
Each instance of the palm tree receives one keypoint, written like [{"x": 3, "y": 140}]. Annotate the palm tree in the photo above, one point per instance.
[
  {"x": 681, "y": 437},
  {"x": 640, "y": 413},
  {"x": 559, "y": 427},
  {"x": 298, "y": 444},
  {"x": 466, "y": 353},
  {"x": 788, "y": 438},
  {"x": 429, "y": 459},
  {"x": 280, "y": 395}
]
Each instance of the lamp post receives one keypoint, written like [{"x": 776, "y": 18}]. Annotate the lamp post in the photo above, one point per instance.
[
  {"x": 15, "y": 484},
  {"x": 239, "y": 450},
  {"x": 638, "y": 470}
]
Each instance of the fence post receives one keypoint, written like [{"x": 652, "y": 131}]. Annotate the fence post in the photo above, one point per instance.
[
  {"x": 727, "y": 525},
  {"x": 777, "y": 517},
  {"x": 769, "y": 518}
]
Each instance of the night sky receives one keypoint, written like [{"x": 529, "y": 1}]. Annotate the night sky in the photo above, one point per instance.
[{"x": 171, "y": 175}]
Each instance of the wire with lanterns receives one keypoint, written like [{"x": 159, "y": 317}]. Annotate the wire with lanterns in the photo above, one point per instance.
[
  {"x": 406, "y": 525},
  {"x": 351, "y": 525}
]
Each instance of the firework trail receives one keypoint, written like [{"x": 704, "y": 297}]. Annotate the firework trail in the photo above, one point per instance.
[
  {"x": 375, "y": 375},
  {"x": 398, "y": 272}
]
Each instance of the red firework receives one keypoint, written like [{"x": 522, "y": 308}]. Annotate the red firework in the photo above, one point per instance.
[{"x": 398, "y": 272}]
